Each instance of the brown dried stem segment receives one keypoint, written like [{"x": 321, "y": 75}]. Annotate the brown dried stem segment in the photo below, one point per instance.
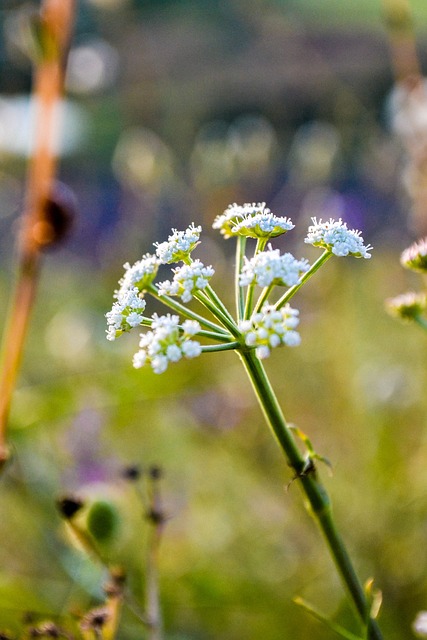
[
  {"x": 156, "y": 518},
  {"x": 398, "y": 17},
  {"x": 37, "y": 232}
]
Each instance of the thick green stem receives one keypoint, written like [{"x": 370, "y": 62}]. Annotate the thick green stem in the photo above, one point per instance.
[
  {"x": 314, "y": 267},
  {"x": 319, "y": 505}
]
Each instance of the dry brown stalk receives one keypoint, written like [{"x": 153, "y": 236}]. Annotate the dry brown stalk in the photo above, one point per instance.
[{"x": 37, "y": 231}]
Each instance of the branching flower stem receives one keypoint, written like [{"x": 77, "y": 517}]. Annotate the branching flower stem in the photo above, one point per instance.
[
  {"x": 314, "y": 267},
  {"x": 185, "y": 311},
  {"x": 319, "y": 505},
  {"x": 211, "y": 335},
  {"x": 225, "y": 318},
  {"x": 219, "y": 304},
  {"x": 229, "y": 346},
  {"x": 253, "y": 336},
  {"x": 240, "y": 298},
  {"x": 260, "y": 246},
  {"x": 263, "y": 297}
]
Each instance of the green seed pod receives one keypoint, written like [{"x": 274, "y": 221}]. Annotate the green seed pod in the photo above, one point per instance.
[{"x": 102, "y": 521}]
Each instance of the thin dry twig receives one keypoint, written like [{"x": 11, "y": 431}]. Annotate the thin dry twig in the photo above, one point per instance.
[{"x": 37, "y": 230}]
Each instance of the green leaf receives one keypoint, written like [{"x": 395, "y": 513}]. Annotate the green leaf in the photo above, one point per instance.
[{"x": 338, "y": 629}]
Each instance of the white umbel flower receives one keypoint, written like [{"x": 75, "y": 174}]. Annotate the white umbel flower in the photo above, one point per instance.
[
  {"x": 420, "y": 624},
  {"x": 262, "y": 225},
  {"x": 166, "y": 342},
  {"x": 270, "y": 267},
  {"x": 179, "y": 245},
  {"x": 234, "y": 212},
  {"x": 140, "y": 275},
  {"x": 126, "y": 313},
  {"x": 252, "y": 220},
  {"x": 187, "y": 279},
  {"x": 271, "y": 328},
  {"x": 335, "y": 236}
]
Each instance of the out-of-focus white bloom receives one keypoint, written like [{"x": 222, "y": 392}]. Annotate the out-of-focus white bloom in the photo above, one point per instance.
[
  {"x": 187, "y": 279},
  {"x": 252, "y": 220},
  {"x": 262, "y": 225},
  {"x": 335, "y": 236},
  {"x": 415, "y": 256},
  {"x": 420, "y": 624},
  {"x": 407, "y": 306},
  {"x": 126, "y": 313},
  {"x": 179, "y": 245},
  {"x": 166, "y": 342},
  {"x": 271, "y": 328},
  {"x": 407, "y": 106},
  {"x": 269, "y": 267},
  {"x": 140, "y": 275}
]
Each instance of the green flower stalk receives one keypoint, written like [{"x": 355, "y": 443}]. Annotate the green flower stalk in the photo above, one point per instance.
[{"x": 264, "y": 320}]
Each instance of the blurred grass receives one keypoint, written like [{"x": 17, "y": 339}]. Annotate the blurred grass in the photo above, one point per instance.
[
  {"x": 238, "y": 545},
  {"x": 335, "y": 13}
]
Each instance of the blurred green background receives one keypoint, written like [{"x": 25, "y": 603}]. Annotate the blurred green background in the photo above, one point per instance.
[{"x": 174, "y": 109}]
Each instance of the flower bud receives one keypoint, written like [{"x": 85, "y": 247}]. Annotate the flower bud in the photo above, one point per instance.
[{"x": 59, "y": 212}]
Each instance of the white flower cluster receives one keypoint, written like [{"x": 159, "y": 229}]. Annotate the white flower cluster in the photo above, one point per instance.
[
  {"x": 125, "y": 314},
  {"x": 234, "y": 212},
  {"x": 253, "y": 220},
  {"x": 167, "y": 342},
  {"x": 187, "y": 279},
  {"x": 335, "y": 236},
  {"x": 270, "y": 328},
  {"x": 262, "y": 225},
  {"x": 420, "y": 624},
  {"x": 127, "y": 310},
  {"x": 269, "y": 267},
  {"x": 179, "y": 245},
  {"x": 140, "y": 275}
]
